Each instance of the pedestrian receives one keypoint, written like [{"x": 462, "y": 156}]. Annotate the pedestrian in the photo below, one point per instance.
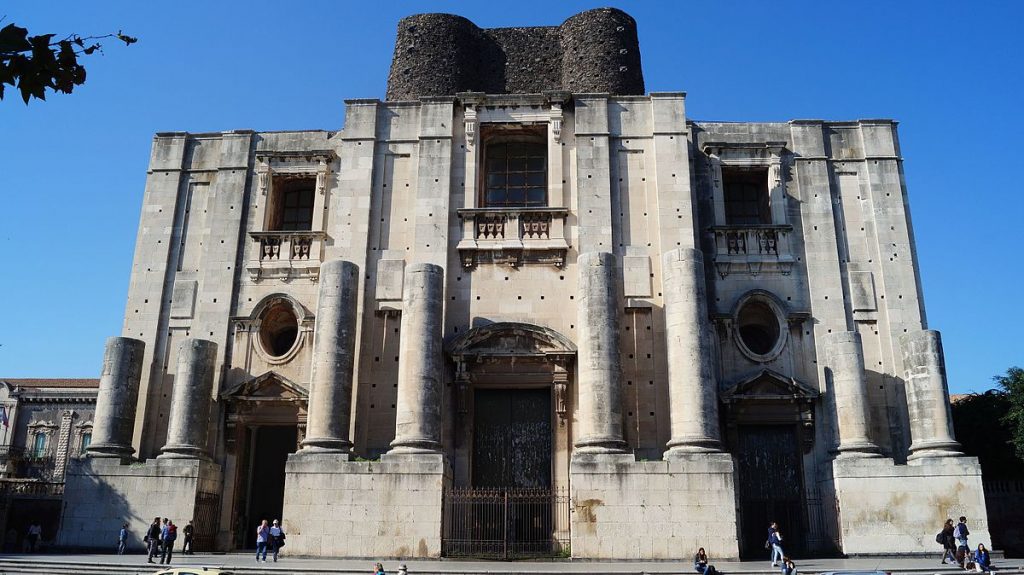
[
  {"x": 169, "y": 535},
  {"x": 153, "y": 539},
  {"x": 262, "y": 534},
  {"x": 774, "y": 543},
  {"x": 945, "y": 537},
  {"x": 788, "y": 567},
  {"x": 35, "y": 533},
  {"x": 276, "y": 538},
  {"x": 960, "y": 533},
  {"x": 700, "y": 563},
  {"x": 378, "y": 569},
  {"x": 186, "y": 546},
  {"x": 122, "y": 539},
  {"x": 982, "y": 561}
]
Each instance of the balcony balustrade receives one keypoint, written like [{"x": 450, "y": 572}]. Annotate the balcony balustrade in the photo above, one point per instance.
[
  {"x": 286, "y": 255},
  {"x": 752, "y": 249},
  {"x": 513, "y": 236}
]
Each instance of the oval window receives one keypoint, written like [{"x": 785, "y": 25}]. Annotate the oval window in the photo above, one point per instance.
[
  {"x": 759, "y": 327},
  {"x": 279, "y": 329}
]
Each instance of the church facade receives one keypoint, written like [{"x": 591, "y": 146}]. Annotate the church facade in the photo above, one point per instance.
[{"x": 523, "y": 307}]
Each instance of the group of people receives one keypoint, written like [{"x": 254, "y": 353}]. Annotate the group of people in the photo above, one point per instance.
[
  {"x": 159, "y": 539},
  {"x": 956, "y": 550},
  {"x": 271, "y": 536}
]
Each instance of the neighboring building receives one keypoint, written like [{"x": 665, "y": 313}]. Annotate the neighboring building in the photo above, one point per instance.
[
  {"x": 45, "y": 424},
  {"x": 523, "y": 308}
]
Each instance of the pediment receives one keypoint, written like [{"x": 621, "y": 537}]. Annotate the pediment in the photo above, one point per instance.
[
  {"x": 510, "y": 339},
  {"x": 268, "y": 386},
  {"x": 769, "y": 385}
]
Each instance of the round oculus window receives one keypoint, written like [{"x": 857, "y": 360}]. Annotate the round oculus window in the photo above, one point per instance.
[
  {"x": 279, "y": 329},
  {"x": 759, "y": 327}
]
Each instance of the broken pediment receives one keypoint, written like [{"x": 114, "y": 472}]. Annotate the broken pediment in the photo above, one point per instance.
[
  {"x": 769, "y": 385},
  {"x": 269, "y": 386},
  {"x": 510, "y": 339}
]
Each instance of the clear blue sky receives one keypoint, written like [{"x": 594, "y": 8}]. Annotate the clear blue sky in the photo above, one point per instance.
[{"x": 72, "y": 169}]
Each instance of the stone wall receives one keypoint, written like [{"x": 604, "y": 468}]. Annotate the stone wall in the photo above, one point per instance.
[
  {"x": 339, "y": 508},
  {"x": 102, "y": 494},
  {"x": 886, "y": 508},
  {"x": 654, "y": 509},
  {"x": 444, "y": 54}
]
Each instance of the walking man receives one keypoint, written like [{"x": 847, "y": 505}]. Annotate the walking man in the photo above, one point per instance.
[
  {"x": 35, "y": 533},
  {"x": 170, "y": 534},
  {"x": 122, "y": 539},
  {"x": 153, "y": 538},
  {"x": 775, "y": 543},
  {"x": 276, "y": 538}
]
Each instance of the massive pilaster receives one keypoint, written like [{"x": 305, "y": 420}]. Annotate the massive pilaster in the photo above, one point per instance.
[
  {"x": 927, "y": 395},
  {"x": 190, "y": 405},
  {"x": 600, "y": 372},
  {"x": 118, "y": 396},
  {"x": 418, "y": 418},
  {"x": 693, "y": 393},
  {"x": 334, "y": 342},
  {"x": 845, "y": 365}
]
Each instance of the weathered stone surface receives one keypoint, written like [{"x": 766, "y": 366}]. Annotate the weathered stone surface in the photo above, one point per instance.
[
  {"x": 444, "y": 54},
  {"x": 849, "y": 388},
  {"x": 330, "y": 394},
  {"x": 190, "y": 407},
  {"x": 118, "y": 396},
  {"x": 931, "y": 425}
]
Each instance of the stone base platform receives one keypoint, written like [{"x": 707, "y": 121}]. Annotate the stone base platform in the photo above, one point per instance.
[
  {"x": 900, "y": 508},
  {"x": 389, "y": 508},
  {"x": 101, "y": 494},
  {"x": 627, "y": 509}
]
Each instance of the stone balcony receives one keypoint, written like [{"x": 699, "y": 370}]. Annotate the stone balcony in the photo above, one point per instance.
[
  {"x": 752, "y": 249},
  {"x": 513, "y": 236},
  {"x": 286, "y": 255}
]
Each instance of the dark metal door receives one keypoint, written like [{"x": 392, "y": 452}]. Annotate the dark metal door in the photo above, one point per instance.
[
  {"x": 771, "y": 488},
  {"x": 512, "y": 438}
]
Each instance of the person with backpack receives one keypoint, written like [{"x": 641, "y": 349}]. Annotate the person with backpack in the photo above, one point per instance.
[
  {"x": 960, "y": 533},
  {"x": 276, "y": 538},
  {"x": 701, "y": 565},
  {"x": 170, "y": 534},
  {"x": 153, "y": 539},
  {"x": 122, "y": 539},
  {"x": 946, "y": 539}
]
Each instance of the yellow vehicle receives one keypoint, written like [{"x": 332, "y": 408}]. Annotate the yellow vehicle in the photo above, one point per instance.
[{"x": 194, "y": 571}]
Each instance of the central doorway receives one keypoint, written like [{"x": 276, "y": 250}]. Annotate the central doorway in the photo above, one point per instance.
[
  {"x": 770, "y": 477},
  {"x": 512, "y": 438},
  {"x": 268, "y": 448}
]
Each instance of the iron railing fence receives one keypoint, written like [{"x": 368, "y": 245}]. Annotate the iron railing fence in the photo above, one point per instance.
[{"x": 505, "y": 523}]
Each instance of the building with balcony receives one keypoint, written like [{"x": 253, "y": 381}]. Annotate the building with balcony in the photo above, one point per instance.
[
  {"x": 523, "y": 307},
  {"x": 46, "y": 423}
]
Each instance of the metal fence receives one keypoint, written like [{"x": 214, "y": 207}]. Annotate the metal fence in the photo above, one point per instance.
[
  {"x": 206, "y": 521},
  {"x": 505, "y": 523}
]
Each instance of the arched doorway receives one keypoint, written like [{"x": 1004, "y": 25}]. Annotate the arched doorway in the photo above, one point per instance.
[
  {"x": 266, "y": 419},
  {"x": 511, "y": 438}
]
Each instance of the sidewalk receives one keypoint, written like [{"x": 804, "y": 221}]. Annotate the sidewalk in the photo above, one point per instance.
[{"x": 245, "y": 563}]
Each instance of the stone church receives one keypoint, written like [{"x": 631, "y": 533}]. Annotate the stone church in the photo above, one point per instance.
[{"x": 522, "y": 307}]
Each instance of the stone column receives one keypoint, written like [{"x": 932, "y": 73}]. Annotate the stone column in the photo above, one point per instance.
[
  {"x": 334, "y": 344},
  {"x": 418, "y": 418},
  {"x": 693, "y": 391},
  {"x": 849, "y": 387},
  {"x": 114, "y": 420},
  {"x": 931, "y": 429},
  {"x": 190, "y": 403},
  {"x": 600, "y": 372}
]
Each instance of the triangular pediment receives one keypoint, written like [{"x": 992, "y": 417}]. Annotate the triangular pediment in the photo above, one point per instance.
[
  {"x": 510, "y": 339},
  {"x": 268, "y": 386},
  {"x": 769, "y": 385}
]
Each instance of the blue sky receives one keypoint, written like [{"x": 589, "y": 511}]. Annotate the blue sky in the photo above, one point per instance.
[{"x": 72, "y": 169}]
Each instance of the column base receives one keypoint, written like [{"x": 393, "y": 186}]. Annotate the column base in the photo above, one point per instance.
[
  {"x": 599, "y": 445},
  {"x": 111, "y": 450},
  {"x": 939, "y": 448},
  {"x": 679, "y": 447},
  {"x": 421, "y": 445},
  {"x": 858, "y": 449},
  {"x": 183, "y": 452},
  {"x": 326, "y": 445}
]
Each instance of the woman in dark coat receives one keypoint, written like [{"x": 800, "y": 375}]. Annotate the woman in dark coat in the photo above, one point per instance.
[{"x": 948, "y": 543}]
